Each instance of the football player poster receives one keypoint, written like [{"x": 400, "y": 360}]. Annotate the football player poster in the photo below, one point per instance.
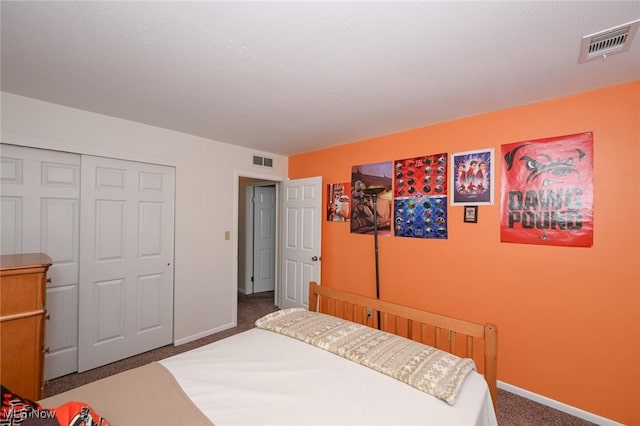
[
  {"x": 338, "y": 202},
  {"x": 547, "y": 191}
]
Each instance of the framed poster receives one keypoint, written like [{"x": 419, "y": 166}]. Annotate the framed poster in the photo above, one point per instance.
[
  {"x": 471, "y": 214},
  {"x": 472, "y": 177},
  {"x": 547, "y": 191}
]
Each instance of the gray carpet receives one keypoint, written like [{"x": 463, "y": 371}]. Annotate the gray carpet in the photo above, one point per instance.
[{"x": 513, "y": 410}]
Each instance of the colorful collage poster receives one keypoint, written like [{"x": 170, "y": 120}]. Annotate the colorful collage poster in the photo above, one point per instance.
[
  {"x": 420, "y": 197},
  {"x": 363, "y": 177},
  {"x": 547, "y": 191},
  {"x": 338, "y": 202},
  {"x": 472, "y": 177}
]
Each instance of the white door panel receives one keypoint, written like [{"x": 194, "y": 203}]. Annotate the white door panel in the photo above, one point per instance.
[
  {"x": 126, "y": 297},
  {"x": 40, "y": 213},
  {"x": 301, "y": 239},
  {"x": 60, "y": 224},
  {"x": 264, "y": 239},
  {"x": 62, "y": 334},
  {"x": 11, "y": 209}
]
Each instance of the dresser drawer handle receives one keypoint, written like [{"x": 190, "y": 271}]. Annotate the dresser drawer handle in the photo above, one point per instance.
[
  {"x": 49, "y": 280},
  {"x": 46, "y": 350}
]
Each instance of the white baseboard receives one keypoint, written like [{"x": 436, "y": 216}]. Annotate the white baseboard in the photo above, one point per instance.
[
  {"x": 593, "y": 418},
  {"x": 206, "y": 333}
]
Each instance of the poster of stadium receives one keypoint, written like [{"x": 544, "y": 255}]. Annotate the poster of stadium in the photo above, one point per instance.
[{"x": 547, "y": 191}]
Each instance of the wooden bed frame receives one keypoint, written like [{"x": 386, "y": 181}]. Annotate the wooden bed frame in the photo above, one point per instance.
[{"x": 450, "y": 334}]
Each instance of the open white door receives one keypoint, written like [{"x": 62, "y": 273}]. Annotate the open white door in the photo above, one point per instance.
[
  {"x": 126, "y": 262},
  {"x": 300, "y": 240}
]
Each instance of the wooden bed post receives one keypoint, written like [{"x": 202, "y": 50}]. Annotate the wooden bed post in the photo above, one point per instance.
[
  {"x": 491, "y": 361},
  {"x": 313, "y": 297}
]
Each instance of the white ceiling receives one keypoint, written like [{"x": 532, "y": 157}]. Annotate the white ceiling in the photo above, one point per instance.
[{"x": 291, "y": 77}]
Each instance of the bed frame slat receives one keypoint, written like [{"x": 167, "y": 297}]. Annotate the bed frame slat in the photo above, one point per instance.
[{"x": 323, "y": 299}]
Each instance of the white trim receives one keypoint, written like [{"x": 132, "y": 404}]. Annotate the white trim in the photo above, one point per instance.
[
  {"x": 275, "y": 180},
  {"x": 81, "y": 148},
  {"x": 577, "y": 412},
  {"x": 203, "y": 334}
]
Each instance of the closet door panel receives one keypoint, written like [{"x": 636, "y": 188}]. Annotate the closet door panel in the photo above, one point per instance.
[
  {"x": 59, "y": 237},
  {"x": 62, "y": 334},
  {"x": 40, "y": 213},
  {"x": 126, "y": 264},
  {"x": 11, "y": 223}
]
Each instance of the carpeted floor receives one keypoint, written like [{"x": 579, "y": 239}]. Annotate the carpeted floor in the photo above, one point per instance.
[{"x": 513, "y": 410}]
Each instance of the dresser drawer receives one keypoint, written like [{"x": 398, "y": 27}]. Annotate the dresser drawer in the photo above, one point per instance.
[{"x": 22, "y": 298}]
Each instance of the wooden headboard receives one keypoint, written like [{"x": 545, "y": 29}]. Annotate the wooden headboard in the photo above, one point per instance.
[{"x": 450, "y": 334}]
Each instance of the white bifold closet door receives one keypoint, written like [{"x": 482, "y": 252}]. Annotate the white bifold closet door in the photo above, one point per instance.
[
  {"x": 126, "y": 261},
  {"x": 41, "y": 213},
  {"x": 108, "y": 227}
]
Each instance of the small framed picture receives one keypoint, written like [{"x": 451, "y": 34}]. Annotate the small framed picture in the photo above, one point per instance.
[{"x": 471, "y": 214}]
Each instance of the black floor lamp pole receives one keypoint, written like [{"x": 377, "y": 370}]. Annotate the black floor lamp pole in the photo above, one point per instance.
[
  {"x": 373, "y": 192},
  {"x": 375, "y": 241}
]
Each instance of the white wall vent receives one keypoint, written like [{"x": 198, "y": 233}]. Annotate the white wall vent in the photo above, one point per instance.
[
  {"x": 262, "y": 161},
  {"x": 608, "y": 42}
]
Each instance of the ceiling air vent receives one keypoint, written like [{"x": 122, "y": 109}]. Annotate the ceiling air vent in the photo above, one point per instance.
[{"x": 608, "y": 42}]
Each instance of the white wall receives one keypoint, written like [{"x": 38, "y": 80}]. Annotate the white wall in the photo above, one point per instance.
[{"x": 206, "y": 194}]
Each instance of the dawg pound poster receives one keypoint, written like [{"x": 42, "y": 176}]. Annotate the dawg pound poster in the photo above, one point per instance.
[{"x": 547, "y": 191}]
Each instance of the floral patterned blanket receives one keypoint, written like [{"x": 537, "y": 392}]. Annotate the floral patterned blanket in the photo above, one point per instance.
[{"x": 428, "y": 369}]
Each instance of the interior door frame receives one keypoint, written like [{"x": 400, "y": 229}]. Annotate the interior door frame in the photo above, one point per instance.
[
  {"x": 267, "y": 179},
  {"x": 250, "y": 222}
]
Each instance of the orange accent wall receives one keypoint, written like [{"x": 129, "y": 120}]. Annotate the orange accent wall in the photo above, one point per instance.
[{"x": 568, "y": 318}]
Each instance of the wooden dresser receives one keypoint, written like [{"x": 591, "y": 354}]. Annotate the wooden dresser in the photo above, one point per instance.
[{"x": 23, "y": 280}]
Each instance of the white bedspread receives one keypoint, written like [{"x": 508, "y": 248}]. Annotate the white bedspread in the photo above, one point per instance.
[{"x": 262, "y": 378}]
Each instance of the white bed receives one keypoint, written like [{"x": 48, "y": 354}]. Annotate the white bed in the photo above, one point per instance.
[
  {"x": 259, "y": 377},
  {"x": 264, "y": 377}
]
